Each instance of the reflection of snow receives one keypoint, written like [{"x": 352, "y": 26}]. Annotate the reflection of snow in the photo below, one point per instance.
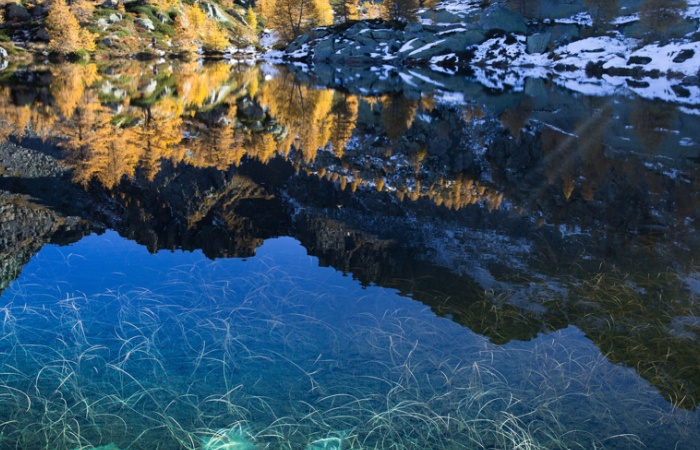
[{"x": 672, "y": 62}]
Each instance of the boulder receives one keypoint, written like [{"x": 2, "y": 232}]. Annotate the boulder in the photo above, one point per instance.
[
  {"x": 145, "y": 23},
  {"x": 41, "y": 35},
  {"x": 325, "y": 49},
  {"x": 459, "y": 41},
  {"x": 16, "y": 12},
  {"x": 103, "y": 23},
  {"x": 40, "y": 11},
  {"x": 684, "y": 55},
  {"x": 110, "y": 4},
  {"x": 638, "y": 60},
  {"x": 3, "y": 54},
  {"x": 115, "y": 18},
  {"x": 538, "y": 43},
  {"x": 250, "y": 111},
  {"x": 691, "y": 80},
  {"x": 497, "y": 17},
  {"x": 214, "y": 12},
  {"x": 564, "y": 33},
  {"x": 558, "y": 9},
  {"x": 162, "y": 17}
]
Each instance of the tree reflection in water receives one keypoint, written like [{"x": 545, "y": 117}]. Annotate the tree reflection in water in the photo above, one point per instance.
[{"x": 549, "y": 196}]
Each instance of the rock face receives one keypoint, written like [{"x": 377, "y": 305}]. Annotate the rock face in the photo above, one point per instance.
[
  {"x": 377, "y": 40},
  {"x": 145, "y": 23},
  {"x": 414, "y": 43},
  {"x": 17, "y": 12}
]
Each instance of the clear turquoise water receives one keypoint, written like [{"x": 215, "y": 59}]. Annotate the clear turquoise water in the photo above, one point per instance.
[{"x": 105, "y": 344}]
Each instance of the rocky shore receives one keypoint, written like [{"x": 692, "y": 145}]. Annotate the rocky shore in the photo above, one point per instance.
[{"x": 501, "y": 49}]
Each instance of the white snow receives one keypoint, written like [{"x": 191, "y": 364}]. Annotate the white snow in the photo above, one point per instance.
[
  {"x": 407, "y": 46},
  {"x": 426, "y": 47}
]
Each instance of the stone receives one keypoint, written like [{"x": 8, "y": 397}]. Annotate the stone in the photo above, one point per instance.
[
  {"x": 691, "y": 80},
  {"x": 564, "y": 33},
  {"x": 684, "y": 55},
  {"x": 250, "y": 111},
  {"x": 324, "y": 50},
  {"x": 639, "y": 60},
  {"x": 538, "y": 43},
  {"x": 41, "y": 35},
  {"x": 146, "y": 23},
  {"x": 459, "y": 41},
  {"x": 40, "y": 11},
  {"x": 214, "y": 12},
  {"x": 497, "y": 17},
  {"x": 110, "y": 4},
  {"x": 115, "y": 18},
  {"x": 162, "y": 17},
  {"x": 413, "y": 28},
  {"x": 3, "y": 54},
  {"x": 16, "y": 12},
  {"x": 558, "y": 9}
]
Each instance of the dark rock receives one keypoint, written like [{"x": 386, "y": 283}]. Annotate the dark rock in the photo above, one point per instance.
[
  {"x": 538, "y": 43},
  {"x": 250, "y": 111},
  {"x": 162, "y": 17},
  {"x": 564, "y": 33},
  {"x": 680, "y": 91},
  {"x": 684, "y": 55},
  {"x": 691, "y": 80},
  {"x": 40, "y": 11},
  {"x": 637, "y": 84},
  {"x": 459, "y": 41},
  {"x": 642, "y": 60},
  {"x": 41, "y": 35},
  {"x": 557, "y": 9},
  {"x": 16, "y": 12},
  {"x": 325, "y": 49},
  {"x": 497, "y": 17}
]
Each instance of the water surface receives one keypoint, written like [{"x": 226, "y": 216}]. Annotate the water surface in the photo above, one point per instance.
[{"x": 204, "y": 255}]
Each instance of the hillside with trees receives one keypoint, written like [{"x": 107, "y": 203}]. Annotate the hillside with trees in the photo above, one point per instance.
[{"x": 148, "y": 29}]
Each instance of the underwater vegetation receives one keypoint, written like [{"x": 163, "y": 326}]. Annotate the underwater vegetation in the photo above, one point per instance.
[{"x": 275, "y": 352}]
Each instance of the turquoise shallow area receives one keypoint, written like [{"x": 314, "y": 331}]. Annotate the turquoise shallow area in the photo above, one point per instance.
[{"x": 104, "y": 344}]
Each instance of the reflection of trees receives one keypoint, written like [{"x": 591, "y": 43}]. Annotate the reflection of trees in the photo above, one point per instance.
[
  {"x": 303, "y": 109},
  {"x": 397, "y": 114},
  {"x": 69, "y": 84},
  {"x": 602, "y": 12},
  {"x": 653, "y": 122},
  {"x": 343, "y": 121},
  {"x": 515, "y": 119},
  {"x": 662, "y": 18},
  {"x": 159, "y": 135}
]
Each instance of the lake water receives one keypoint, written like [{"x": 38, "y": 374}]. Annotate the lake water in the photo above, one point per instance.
[{"x": 240, "y": 257}]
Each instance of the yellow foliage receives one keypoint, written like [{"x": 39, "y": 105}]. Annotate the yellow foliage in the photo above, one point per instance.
[
  {"x": 251, "y": 19},
  {"x": 214, "y": 39},
  {"x": 185, "y": 32},
  {"x": 69, "y": 83},
  {"x": 63, "y": 28}
]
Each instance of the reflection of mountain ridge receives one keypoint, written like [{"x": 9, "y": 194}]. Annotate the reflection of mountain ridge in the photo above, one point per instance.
[{"x": 508, "y": 231}]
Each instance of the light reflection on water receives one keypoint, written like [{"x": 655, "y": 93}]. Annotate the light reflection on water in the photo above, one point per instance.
[{"x": 104, "y": 343}]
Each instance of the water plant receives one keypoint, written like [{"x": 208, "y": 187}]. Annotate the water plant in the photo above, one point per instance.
[{"x": 210, "y": 359}]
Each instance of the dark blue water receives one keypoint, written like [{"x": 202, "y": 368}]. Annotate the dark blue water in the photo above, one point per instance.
[{"x": 104, "y": 344}]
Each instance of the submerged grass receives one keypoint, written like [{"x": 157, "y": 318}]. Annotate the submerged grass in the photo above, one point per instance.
[{"x": 260, "y": 364}]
